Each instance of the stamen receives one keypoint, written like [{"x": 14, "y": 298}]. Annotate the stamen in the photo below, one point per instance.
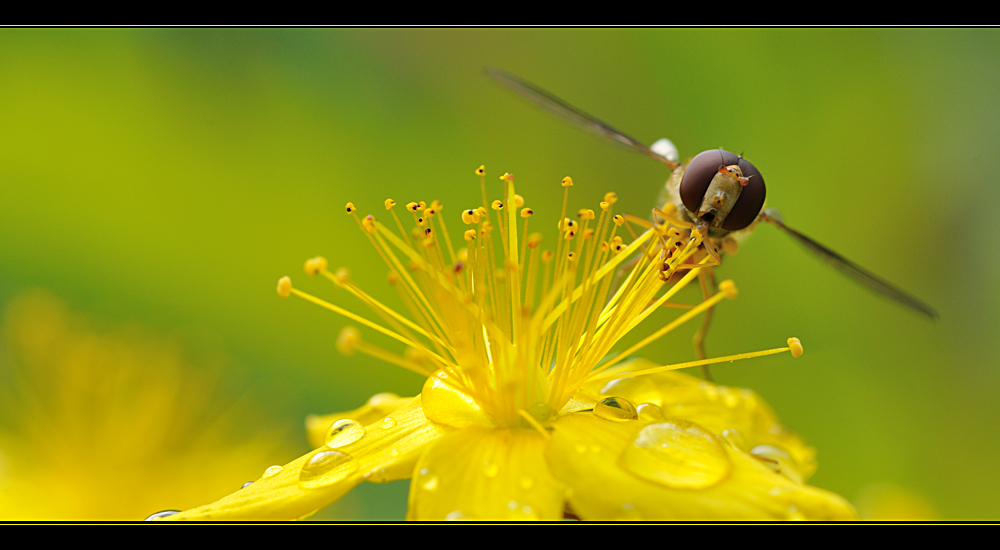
[
  {"x": 534, "y": 423},
  {"x": 689, "y": 364}
]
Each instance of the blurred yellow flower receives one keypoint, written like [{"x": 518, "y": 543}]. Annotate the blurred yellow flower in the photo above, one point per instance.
[
  {"x": 526, "y": 412},
  {"x": 108, "y": 424}
]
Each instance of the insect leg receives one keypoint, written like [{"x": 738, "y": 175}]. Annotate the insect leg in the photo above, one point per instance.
[{"x": 707, "y": 279}]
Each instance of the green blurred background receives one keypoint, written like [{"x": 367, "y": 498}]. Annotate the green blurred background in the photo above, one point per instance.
[{"x": 170, "y": 177}]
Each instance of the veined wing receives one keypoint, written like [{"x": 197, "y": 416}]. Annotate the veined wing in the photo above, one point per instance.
[
  {"x": 853, "y": 270},
  {"x": 555, "y": 105}
]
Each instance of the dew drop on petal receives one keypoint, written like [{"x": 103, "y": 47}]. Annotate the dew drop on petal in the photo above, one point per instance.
[
  {"x": 735, "y": 438},
  {"x": 678, "y": 454},
  {"x": 343, "y": 432},
  {"x": 326, "y": 468},
  {"x": 394, "y": 451},
  {"x": 247, "y": 484},
  {"x": 455, "y": 515},
  {"x": 163, "y": 514},
  {"x": 427, "y": 480},
  {"x": 271, "y": 472},
  {"x": 388, "y": 422},
  {"x": 649, "y": 411},
  {"x": 615, "y": 409}
]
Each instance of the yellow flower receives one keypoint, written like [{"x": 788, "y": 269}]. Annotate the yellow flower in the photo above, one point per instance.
[
  {"x": 529, "y": 411},
  {"x": 108, "y": 424}
]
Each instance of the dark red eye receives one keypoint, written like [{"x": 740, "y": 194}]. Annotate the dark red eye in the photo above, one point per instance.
[{"x": 698, "y": 175}]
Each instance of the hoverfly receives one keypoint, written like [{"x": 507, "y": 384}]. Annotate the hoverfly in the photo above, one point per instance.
[{"x": 719, "y": 193}]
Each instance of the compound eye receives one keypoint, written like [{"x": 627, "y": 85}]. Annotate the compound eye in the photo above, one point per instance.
[
  {"x": 751, "y": 199},
  {"x": 699, "y": 173}
]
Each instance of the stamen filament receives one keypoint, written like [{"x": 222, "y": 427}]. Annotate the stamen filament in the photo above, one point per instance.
[{"x": 689, "y": 364}]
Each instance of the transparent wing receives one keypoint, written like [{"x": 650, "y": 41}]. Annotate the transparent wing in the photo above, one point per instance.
[
  {"x": 555, "y": 105},
  {"x": 853, "y": 270}
]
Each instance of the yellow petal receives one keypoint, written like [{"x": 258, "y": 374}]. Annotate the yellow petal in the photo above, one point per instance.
[
  {"x": 591, "y": 456},
  {"x": 482, "y": 473},
  {"x": 737, "y": 413},
  {"x": 388, "y": 450},
  {"x": 375, "y": 409}
]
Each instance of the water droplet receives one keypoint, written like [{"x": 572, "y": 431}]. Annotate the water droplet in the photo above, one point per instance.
[
  {"x": 388, "y": 422},
  {"x": 677, "y": 454},
  {"x": 271, "y": 472},
  {"x": 526, "y": 510},
  {"x": 615, "y": 409},
  {"x": 770, "y": 451},
  {"x": 456, "y": 515},
  {"x": 343, "y": 432},
  {"x": 394, "y": 451},
  {"x": 247, "y": 484},
  {"x": 649, "y": 411},
  {"x": 491, "y": 469},
  {"x": 427, "y": 480},
  {"x": 163, "y": 514},
  {"x": 735, "y": 438},
  {"x": 527, "y": 483},
  {"x": 326, "y": 468},
  {"x": 580, "y": 447},
  {"x": 512, "y": 505}
]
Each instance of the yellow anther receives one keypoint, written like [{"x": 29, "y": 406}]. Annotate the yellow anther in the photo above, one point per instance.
[
  {"x": 525, "y": 212},
  {"x": 284, "y": 287},
  {"x": 660, "y": 229},
  {"x": 696, "y": 236},
  {"x": 619, "y": 220},
  {"x": 481, "y": 170},
  {"x": 350, "y": 208},
  {"x": 518, "y": 201},
  {"x": 392, "y": 278},
  {"x": 467, "y": 216},
  {"x": 463, "y": 255},
  {"x": 428, "y": 242},
  {"x": 618, "y": 248},
  {"x": 585, "y": 214},
  {"x": 569, "y": 234},
  {"x": 497, "y": 205},
  {"x": 507, "y": 177},
  {"x": 430, "y": 212},
  {"x": 571, "y": 255},
  {"x": 315, "y": 265},
  {"x": 412, "y": 206},
  {"x": 487, "y": 226},
  {"x": 547, "y": 255},
  {"x": 369, "y": 223},
  {"x": 567, "y": 224},
  {"x": 470, "y": 235},
  {"x": 605, "y": 205},
  {"x": 670, "y": 209},
  {"x": 604, "y": 246},
  {"x": 796, "y": 347},
  {"x": 567, "y": 182},
  {"x": 675, "y": 234},
  {"x": 311, "y": 267},
  {"x": 534, "y": 240},
  {"x": 427, "y": 232},
  {"x": 421, "y": 221},
  {"x": 588, "y": 233},
  {"x": 422, "y": 205},
  {"x": 389, "y": 203},
  {"x": 616, "y": 241},
  {"x": 610, "y": 197},
  {"x": 348, "y": 340},
  {"x": 729, "y": 288},
  {"x": 342, "y": 276},
  {"x": 436, "y": 206},
  {"x": 482, "y": 212}
]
